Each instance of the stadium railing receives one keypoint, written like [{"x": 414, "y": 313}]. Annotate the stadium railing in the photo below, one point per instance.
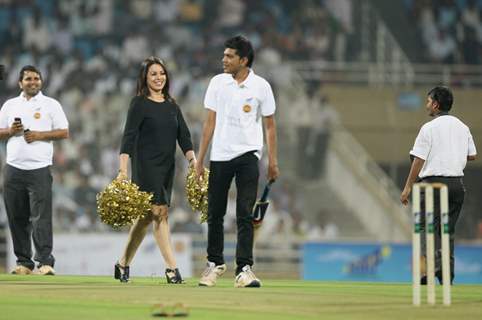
[
  {"x": 376, "y": 197},
  {"x": 388, "y": 74}
]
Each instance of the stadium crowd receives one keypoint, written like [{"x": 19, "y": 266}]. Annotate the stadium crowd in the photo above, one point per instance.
[
  {"x": 450, "y": 30},
  {"x": 89, "y": 53}
]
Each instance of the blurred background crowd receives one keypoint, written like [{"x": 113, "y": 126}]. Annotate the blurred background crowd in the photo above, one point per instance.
[
  {"x": 90, "y": 51},
  {"x": 450, "y": 31}
]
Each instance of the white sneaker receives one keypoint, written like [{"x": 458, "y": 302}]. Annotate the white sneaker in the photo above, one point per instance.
[
  {"x": 246, "y": 279},
  {"x": 210, "y": 275},
  {"x": 21, "y": 270},
  {"x": 46, "y": 270}
]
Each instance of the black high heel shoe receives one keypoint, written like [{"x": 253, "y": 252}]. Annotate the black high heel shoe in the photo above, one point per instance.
[
  {"x": 121, "y": 273},
  {"x": 173, "y": 276}
]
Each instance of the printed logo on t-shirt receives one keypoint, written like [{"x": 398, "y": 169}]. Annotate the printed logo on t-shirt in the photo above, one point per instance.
[{"x": 246, "y": 108}]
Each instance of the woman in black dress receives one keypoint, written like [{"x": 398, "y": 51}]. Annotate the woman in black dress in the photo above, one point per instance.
[{"x": 154, "y": 124}]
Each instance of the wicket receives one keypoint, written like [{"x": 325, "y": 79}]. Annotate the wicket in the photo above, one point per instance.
[{"x": 430, "y": 245}]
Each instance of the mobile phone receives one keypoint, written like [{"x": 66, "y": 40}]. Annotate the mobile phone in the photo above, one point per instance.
[{"x": 18, "y": 120}]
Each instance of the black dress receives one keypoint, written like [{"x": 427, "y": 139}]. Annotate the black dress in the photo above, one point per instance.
[{"x": 150, "y": 135}]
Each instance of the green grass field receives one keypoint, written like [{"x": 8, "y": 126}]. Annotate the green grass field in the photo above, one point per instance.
[{"x": 89, "y": 298}]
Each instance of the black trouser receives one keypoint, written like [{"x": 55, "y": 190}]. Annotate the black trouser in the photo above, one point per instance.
[
  {"x": 28, "y": 200},
  {"x": 456, "y": 191},
  {"x": 245, "y": 171}
]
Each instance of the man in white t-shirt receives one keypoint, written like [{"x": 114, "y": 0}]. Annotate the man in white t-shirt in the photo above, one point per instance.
[
  {"x": 29, "y": 123},
  {"x": 441, "y": 151},
  {"x": 238, "y": 102}
]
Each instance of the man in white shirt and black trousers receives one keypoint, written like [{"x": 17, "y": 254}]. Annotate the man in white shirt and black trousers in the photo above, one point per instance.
[
  {"x": 29, "y": 123},
  {"x": 238, "y": 102},
  {"x": 441, "y": 151}
]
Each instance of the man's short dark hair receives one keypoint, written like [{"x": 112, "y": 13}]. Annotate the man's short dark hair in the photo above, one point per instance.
[
  {"x": 31, "y": 69},
  {"x": 243, "y": 47},
  {"x": 443, "y": 96}
]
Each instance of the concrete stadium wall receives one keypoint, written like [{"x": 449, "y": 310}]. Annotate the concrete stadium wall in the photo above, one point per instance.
[{"x": 387, "y": 132}]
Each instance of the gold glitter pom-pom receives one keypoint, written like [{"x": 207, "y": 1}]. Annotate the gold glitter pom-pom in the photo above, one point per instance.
[
  {"x": 197, "y": 192},
  {"x": 121, "y": 202}
]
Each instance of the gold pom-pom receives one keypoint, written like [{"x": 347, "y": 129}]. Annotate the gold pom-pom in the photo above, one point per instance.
[
  {"x": 197, "y": 192},
  {"x": 121, "y": 202}
]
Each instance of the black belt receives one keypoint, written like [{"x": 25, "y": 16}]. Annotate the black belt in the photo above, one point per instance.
[{"x": 444, "y": 177}]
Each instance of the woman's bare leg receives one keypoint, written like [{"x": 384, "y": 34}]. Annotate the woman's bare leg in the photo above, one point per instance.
[
  {"x": 163, "y": 235},
  {"x": 136, "y": 235}
]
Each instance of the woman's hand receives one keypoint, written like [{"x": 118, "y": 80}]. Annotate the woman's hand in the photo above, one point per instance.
[{"x": 193, "y": 163}]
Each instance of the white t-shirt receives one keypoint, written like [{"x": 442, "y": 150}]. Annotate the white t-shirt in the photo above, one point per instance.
[
  {"x": 40, "y": 113},
  {"x": 444, "y": 143},
  {"x": 239, "y": 110}
]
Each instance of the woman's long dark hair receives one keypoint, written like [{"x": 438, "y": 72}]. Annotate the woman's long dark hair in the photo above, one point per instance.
[{"x": 142, "y": 88}]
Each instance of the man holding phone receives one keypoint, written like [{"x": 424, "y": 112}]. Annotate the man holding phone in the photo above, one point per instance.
[{"x": 29, "y": 123}]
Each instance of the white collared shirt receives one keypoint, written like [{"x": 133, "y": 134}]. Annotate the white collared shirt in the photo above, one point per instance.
[
  {"x": 444, "y": 143},
  {"x": 239, "y": 110},
  {"x": 39, "y": 113}
]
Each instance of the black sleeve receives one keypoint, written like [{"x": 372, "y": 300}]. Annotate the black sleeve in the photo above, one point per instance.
[
  {"x": 133, "y": 122},
  {"x": 183, "y": 134}
]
